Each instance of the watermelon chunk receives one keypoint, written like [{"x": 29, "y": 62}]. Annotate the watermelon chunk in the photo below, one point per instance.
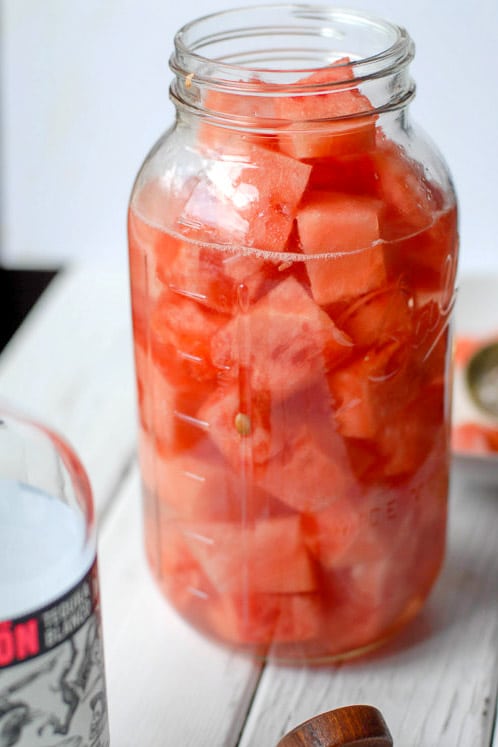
[
  {"x": 266, "y": 618},
  {"x": 178, "y": 257},
  {"x": 355, "y": 411},
  {"x": 371, "y": 390},
  {"x": 312, "y": 469},
  {"x": 285, "y": 341},
  {"x": 348, "y": 227},
  {"x": 254, "y": 107},
  {"x": 356, "y": 613},
  {"x": 199, "y": 485},
  {"x": 152, "y": 221},
  {"x": 247, "y": 428},
  {"x": 409, "y": 200},
  {"x": 168, "y": 412},
  {"x": 340, "y": 536},
  {"x": 268, "y": 556},
  {"x": 349, "y": 133},
  {"x": 355, "y": 174},
  {"x": 210, "y": 275},
  {"x": 407, "y": 440},
  {"x": 289, "y": 447},
  {"x": 144, "y": 240},
  {"x": 362, "y": 529},
  {"x": 474, "y": 438},
  {"x": 430, "y": 342},
  {"x": 370, "y": 599},
  {"x": 255, "y": 103},
  {"x": 248, "y": 199},
  {"x": 180, "y": 332},
  {"x": 427, "y": 260},
  {"x": 324, "y": 139},
  {"x": 379, "y": 317},
  {"x": 178, "y": 573}
]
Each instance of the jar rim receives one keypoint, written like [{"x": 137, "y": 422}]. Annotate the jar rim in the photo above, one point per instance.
[{"x": 196, "y": 35}]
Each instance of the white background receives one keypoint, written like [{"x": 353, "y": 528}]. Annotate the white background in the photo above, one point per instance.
[{"x": 84, "y": 95}]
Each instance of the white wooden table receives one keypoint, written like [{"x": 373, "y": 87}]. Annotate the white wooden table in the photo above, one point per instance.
[{"x": 70, "y": 364}]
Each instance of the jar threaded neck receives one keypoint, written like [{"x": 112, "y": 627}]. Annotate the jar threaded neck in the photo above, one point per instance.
[{"x": 273, "y": 51}]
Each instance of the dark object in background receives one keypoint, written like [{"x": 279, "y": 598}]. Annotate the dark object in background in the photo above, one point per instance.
[{"x": 19, "y": 291}]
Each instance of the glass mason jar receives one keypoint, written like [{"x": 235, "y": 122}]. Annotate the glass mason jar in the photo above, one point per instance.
[{"x": 293, "y": 248}]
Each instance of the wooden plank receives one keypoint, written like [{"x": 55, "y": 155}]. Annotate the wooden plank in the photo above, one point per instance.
[
  {"x": 166, "y": 684},
  {"x": 70, "y": 364},
  {"x": 436, "y": 684}
]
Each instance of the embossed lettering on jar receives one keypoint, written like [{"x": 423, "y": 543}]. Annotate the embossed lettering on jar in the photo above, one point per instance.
[{"x": 293, "y": 249}]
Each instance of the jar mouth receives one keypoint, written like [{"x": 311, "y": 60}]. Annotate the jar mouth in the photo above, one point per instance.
[{"x": 278, "y": 44}]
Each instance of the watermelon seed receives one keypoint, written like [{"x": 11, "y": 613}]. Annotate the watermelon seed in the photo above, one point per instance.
[
  {"x": 243, "y": 424},
  {"x": 284, "y": 266}
]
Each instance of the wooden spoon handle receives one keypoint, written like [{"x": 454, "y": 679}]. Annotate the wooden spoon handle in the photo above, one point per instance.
[{"x": 358, "y": 726}]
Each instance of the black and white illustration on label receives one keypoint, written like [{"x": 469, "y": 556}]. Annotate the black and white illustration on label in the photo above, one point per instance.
[{"x": 52, "y": 683}]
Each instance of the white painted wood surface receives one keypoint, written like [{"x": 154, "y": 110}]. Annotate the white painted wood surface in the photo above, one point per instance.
[
  {"x": 167, "y": 685},
  {"x": 70, "y": 364}
]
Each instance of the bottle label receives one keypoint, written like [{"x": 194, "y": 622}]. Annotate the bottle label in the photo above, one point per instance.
[{"x": 52, "y": 683}]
